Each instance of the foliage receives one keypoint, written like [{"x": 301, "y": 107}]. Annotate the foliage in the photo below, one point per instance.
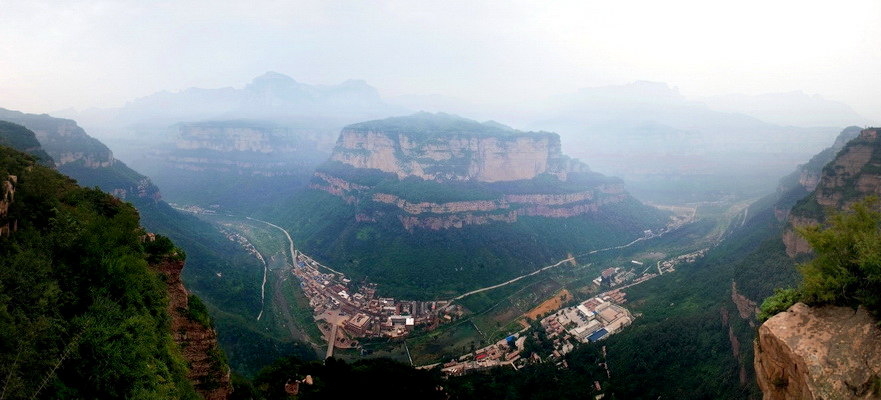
[
  {"x": 779, "y": 302},
  {"x": 197, "y": 311},
  {"x": 846, "y": 269},
  {"x": 336, "y": 379},
  {"x": 847, "y": 266},
  {"x": 21, "y": 138},
  {"x": 81, "y": 313}
]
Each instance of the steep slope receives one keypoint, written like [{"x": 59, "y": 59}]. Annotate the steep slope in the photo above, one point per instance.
[
  {"x": 433, "y": 204},
  {"x": 804, "y": 180},
  {"x": 84, "y": 312},
  {"x": 852, "y": 175},
  {"x": 223, "y": 273},
  {"x": 20, "y": 138},
  {"x": 819, "y": 350}
]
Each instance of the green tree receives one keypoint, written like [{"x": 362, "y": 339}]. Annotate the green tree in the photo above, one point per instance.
[{"x": 846, "y": 269}]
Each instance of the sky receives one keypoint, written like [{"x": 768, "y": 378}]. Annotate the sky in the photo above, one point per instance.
[{"x": 85, "y": 53}]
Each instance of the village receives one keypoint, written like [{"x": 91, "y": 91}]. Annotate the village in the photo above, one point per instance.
[
  {"x": 346, "y": 311},
  {"x": 360, "y": 313}
]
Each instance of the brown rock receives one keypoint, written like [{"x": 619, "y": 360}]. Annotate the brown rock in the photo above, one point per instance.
[
  {"x": 819, "y": 353},
  {"x": 198, "y": 343}
]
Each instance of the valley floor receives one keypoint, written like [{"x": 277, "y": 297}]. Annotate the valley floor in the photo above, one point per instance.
[{"x": 481, "y": 317}]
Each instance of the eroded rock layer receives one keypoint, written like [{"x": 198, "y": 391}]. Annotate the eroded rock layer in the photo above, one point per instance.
[
  {"x": 819, "y": 353},
  {"x": 854, "y": 174}
]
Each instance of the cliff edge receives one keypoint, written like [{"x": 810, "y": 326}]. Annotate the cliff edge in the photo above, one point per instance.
[
  {"x": 854, "y": 174},
  {"x": 819, "y": 353},
  {"x": 197, "y": 339}
]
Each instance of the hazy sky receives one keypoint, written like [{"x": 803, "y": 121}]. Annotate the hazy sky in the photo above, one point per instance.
[{"x": 60, "y": 54}]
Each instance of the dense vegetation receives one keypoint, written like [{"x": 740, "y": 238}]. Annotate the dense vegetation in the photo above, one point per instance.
[
  {"x": 225, "y": 275},
  {"x": 846, "y": 269},
  {"x": 336, "y": 379},
  {"x": 19, "y": 137},
  {"x": 426, "y": 264},
  {"x": 368, "y": 239},
  {"x": 426, "y": 126},
  {"x": 81, "y": 313}
]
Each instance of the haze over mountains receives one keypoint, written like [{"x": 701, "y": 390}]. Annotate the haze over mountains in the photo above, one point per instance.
[
  {"x": 450, "y": 200},
  {"x": 645, "y": 132}
]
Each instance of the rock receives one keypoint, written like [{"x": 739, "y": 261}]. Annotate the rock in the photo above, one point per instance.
[
  {"x": 854, "y": 174},
  {"x": 819, "y": 353},
  {"x": 198, "y": 343}
]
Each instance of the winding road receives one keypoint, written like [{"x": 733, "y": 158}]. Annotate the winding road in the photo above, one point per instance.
[
  {"x": 508, "y": 282},
  {"x": 291, "y": 241}
]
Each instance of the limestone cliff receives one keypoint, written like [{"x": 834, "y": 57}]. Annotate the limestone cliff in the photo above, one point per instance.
[
  {"x": 466, "y": 151},
  {"x": 245, "y": 148},
  {"x": 854, "y": 174},
  {"x": 481, "y": 173},
  {"x": 819, "y": 353},
  {"x": 806, "y": 177},
  {"x": 197, "y": 341}
]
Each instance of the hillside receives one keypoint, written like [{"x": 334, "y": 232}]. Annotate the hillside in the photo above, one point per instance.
[
  {"x": 433, "y": 204},
  {"x": 85, "y": 310},
  {"x": 225, "y": 275},
  {"x": 851, "y": 176},
  {"x": 697, "y": 323}
]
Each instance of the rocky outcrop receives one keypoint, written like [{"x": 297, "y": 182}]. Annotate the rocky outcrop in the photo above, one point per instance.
[
  {"x": 456, "y": 214},
  {"x": 469, "y": 151},
  {"x": 246, "y": 148},
  {"x": 852, "y": 175},
  {"x": 7, "y": 196},
  {"x": 795, "y": 243},
  {"x": 198, "y": 342},
  {"x": 225, "y": 138},
  {"x": 819, "y": 353},
  {"x": 486, "y": 172}
]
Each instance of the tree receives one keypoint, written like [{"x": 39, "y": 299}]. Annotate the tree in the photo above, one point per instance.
[{"x": 847, "y": 267}]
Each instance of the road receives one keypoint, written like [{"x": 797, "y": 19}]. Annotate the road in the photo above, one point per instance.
[
  {"x": 510, "y": 281},
  {"x": 569, "y": 259},
  {"x": 291, "y": 241},
  {"x": 331, "y": 341},
  {"x": 263, "y": 286}
]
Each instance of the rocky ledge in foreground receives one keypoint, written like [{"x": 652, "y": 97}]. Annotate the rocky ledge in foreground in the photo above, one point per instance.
[{"x": 819, "y": 353}]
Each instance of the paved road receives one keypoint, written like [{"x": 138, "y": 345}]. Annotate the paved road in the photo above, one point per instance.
[
  {"x": 331, "y": 342},
  {"x": 510, "y": 281},
  {"x": 291, "y": 241}
]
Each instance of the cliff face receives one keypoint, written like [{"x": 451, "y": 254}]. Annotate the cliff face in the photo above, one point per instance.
[
  {"x": 198, "y": 342},
  {"x": 506, "y": 174},
  {"x": 806, "y": 177},
  {"x": 819, "y": 353},
  {"x": 464, "y": 156},
  {"x": 246, "y": 148},
  {"x": 854, "y": 174},
  {"x": 7, "y": 196}
]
